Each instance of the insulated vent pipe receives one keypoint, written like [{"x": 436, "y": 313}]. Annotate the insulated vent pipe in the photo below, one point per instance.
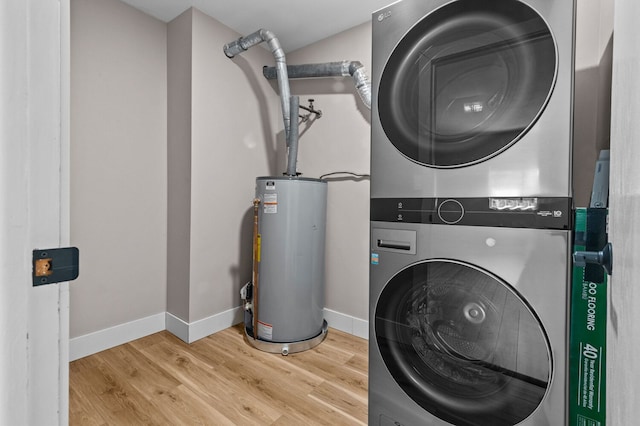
[
  {"x": 244, "y": 43},
  {"x": 292, "y": 157},
  {"x": 354, "y": 69}
]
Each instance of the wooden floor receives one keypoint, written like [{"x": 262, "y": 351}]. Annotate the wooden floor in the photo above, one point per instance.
[{"x": 220, "y": 380}]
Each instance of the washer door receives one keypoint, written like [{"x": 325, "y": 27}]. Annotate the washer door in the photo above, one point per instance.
[
  {"x": 466, "y": 82},
  {"x": 463, "y": 344}
]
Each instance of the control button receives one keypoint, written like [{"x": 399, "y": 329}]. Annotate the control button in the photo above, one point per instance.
[{"x": 450, "y": 211}]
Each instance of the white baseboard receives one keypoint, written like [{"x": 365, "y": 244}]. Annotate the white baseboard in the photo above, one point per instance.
[
  {"x": 352, "y": 325},
  {"x": 190, "y": 332},
  {"x": 92, "y": 343},
  {"x": 177, "y": 327}
]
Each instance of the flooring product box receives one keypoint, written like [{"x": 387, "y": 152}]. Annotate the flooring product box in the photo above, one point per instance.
[{"x": 588, "y": 324}]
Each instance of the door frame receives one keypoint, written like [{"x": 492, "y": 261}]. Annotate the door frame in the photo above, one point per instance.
[
  {"x": 623, "y": 340},
  {"x": 34, "y": 209}
]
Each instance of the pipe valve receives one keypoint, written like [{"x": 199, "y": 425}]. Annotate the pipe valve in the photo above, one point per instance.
[{"x": 311, "y": 109}]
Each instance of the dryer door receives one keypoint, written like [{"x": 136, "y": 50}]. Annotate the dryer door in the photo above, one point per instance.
[
  {"x": 466, "y": 82},
  {"x": 463, "y": 344}
]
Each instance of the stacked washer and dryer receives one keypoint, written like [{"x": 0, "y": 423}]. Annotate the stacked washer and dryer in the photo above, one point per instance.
[{"x": 471, "y": 211}]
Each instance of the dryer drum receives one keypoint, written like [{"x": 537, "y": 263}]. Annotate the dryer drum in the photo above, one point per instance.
[
  {"x": 466, "y": 82},
  {"x": 463, "y": 344}
]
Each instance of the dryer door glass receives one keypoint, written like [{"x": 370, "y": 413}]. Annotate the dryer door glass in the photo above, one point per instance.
[
  {"x": 463, "y": 344},
  {"x": 466, "y": 82}
]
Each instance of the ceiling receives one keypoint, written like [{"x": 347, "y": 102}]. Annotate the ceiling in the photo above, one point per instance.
[{"x": 296, "y": 23}]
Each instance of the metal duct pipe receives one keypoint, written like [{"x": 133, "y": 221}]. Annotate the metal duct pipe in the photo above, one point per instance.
[
  {"x": 244, "y": 43},
  {"x": 292, "y": 159},
  {"x": 354, "y": 69}
]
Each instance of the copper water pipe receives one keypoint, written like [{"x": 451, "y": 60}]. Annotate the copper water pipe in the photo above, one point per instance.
[{"x": 256, "y": 261}]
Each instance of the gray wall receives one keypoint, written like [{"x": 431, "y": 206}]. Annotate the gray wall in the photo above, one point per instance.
[
  {"x": 592, "y": 107},
  {"x": 234, "y": 123},
  {"x": 222, "y": 128},
  {"x": 118, "y": 164},
  {"x": 179, "y": 84},
  {"x": 168, "y": 136}
]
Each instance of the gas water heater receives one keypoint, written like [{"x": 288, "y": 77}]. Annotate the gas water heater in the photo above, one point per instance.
[{"x": 285, "y": 301}]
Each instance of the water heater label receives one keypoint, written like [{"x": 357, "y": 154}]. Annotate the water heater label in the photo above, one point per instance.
[
  {"x": 270, "y": 203},
  {"x": 265, "y": 331}
]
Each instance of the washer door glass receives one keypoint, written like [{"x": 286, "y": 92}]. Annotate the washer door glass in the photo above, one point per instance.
[
  {"x": 463, "y": 344},
  {"x": 466, "y": 82}
]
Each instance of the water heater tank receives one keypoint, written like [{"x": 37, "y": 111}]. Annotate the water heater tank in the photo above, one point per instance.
[{"x": 292, "y": 222}]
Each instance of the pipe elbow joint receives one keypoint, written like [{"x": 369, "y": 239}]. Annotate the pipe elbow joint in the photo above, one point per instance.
[
  {"x": 362, "y": 82},
  {"x": 354, "y": 66},
  {"x": 274, "y": 44}
]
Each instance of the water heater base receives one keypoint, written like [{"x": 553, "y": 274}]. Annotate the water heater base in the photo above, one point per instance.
[{"x": 287, "y": 348}]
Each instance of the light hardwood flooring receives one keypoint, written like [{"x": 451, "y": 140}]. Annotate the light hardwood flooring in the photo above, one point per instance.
[{"x": 220, "y": 380}]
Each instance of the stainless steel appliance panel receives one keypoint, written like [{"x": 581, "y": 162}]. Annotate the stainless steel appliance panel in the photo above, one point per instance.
[
  {"x": 499, "y": 305},
  {"x": 472, "y": 98}
]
